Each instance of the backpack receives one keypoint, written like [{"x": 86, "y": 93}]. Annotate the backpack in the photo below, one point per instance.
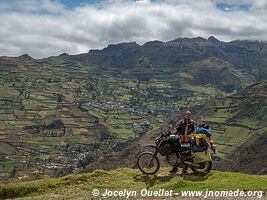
[
  {"x": 202, "y": 130},
  {"x": 203, "y": 135}
]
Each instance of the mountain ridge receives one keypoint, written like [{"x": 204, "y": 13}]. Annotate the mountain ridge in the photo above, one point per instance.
[{"x": 242, "y": 54}]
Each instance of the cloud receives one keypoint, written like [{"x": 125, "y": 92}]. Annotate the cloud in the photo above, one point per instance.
[{"x": 43, "y": 28}]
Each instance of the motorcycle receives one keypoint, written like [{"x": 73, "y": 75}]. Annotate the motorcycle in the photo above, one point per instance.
[{"x": 177, "y": 153}]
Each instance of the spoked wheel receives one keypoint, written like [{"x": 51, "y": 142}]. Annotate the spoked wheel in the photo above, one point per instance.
[
  {"x": 147, "y": 163},
  {"x": 204, "y": 167}
]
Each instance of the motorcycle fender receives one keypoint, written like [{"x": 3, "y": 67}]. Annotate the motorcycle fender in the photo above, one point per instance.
[{"x": 150, "y": 145}]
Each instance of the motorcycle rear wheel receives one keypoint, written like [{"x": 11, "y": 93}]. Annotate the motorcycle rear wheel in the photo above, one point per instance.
[
  {"x": 147, "y": 163},
  {"x": 204, "y": 167}
]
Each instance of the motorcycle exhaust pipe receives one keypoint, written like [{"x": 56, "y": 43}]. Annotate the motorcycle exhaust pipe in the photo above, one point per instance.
[{"x": 192, "y": 164}]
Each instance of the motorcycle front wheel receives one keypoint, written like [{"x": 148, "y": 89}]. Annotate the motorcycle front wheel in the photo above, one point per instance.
[{"x": 147, "y": 163}]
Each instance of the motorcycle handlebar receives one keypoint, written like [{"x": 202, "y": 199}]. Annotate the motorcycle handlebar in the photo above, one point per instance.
[{"x": 165, "y": 134}]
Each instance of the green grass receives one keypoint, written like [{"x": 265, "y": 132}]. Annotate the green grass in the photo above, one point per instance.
[
  {"x": 123, "y": 133},
  {"x": 7, "y": 149},
  {"x": 81, "y": 185},
  {"x": 232, "y": 135}
]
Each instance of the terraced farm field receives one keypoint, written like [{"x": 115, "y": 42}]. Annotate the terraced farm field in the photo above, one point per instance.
[{"x": 56, "y": 117}]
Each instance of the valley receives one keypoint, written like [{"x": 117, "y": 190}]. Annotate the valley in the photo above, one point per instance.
[{"x": 75, "y": 113}]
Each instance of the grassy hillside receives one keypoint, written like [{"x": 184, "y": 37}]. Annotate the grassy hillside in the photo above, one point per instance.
[
  {"x": 237, "y": 118},
  {"x": 81, "y": 185}
]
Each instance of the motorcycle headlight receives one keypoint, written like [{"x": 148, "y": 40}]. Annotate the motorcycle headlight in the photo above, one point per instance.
[{"x": 157, "y": 140}]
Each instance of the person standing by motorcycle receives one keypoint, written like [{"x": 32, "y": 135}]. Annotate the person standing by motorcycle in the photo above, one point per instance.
[{"x": 185, "y": 128}]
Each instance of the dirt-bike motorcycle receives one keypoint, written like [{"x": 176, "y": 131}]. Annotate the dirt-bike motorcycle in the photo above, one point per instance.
[{"x": 176, "y": 153}]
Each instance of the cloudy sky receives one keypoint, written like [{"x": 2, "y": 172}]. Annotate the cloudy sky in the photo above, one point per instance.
[{"x": 43, "y": 28}]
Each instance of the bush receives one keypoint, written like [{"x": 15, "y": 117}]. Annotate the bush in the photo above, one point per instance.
[{"x": 11, "y": 191}]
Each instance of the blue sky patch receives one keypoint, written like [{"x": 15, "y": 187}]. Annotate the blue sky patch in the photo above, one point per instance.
[
  {"x": 233, "y": 7},
  {"x": 74, "y": 3}
]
